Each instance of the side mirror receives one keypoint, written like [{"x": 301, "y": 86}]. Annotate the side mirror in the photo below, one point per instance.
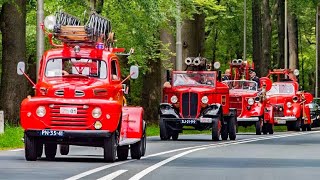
[
  {"x": 21, "y": 68},
  {"x": 134, "y": 71}
]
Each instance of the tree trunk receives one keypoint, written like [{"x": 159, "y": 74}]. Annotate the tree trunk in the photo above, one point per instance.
[
  {"x": 256, "y": 35},
  {"x": 293, "y": 41},
  {"x": 281, "y": 33},
  {"x": 13, "y": 86},
  {"x": 193, "y": 37},
  {"x": 266, "y": 36}
]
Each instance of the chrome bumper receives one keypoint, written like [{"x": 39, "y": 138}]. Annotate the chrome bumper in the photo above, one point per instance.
[{"x": 249, "y": 119}]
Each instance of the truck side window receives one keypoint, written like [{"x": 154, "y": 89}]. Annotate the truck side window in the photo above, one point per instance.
[{"x": 114, "y": 70}]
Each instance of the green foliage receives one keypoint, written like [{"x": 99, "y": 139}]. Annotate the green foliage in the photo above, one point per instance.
[{"x": 11, "y": 138}]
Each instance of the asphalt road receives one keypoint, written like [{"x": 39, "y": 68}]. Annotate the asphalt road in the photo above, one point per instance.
[{"x": 290, "y": 155}]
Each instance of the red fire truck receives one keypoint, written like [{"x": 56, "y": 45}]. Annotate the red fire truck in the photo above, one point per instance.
[
  {"x": 247, "y": 97},
  {"x": 79, "y": 95},
  {"x": 196, "y": 99},
  {"x": 286, "y": 104}
]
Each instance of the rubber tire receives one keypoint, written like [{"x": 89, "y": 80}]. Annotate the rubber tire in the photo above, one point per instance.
[
  {"x": 303, "y": 127},
  {"x": 216, "y": 130},
  {"x": 136, "y": 150},
  {"x": 175, "y": 135},
  {"x": 290, "y": 126},
  {"x": 232, "y": 128},
  {"x": 264, "y": 128},
  {"x": 39, "y": 150},
  {"x": 164, "y": 134},
  {"x": 122, "y": 152},
  {"x": 296, "y": 125},
  {"x": 224, "y": 132},
  {"x": 110, "y": 148},
  {"x": 144, "y": 142},
  {"x": 270, "y": 128},
  {"x": 50, "y": 150},
  {"x": 30, "y": 148},
  {"x": 64, "y": 149},
  {"x": 309, "y": 127},
  {"x": 259, "y": 125}
]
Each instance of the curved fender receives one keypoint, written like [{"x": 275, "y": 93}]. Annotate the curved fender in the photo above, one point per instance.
[
  {"x": 294, "y": 111},
  {"x": 132, "y": 122},
  {"x": 212, "y": 110},
  {"x": 307, "y": 114},
  {"x": 166, "y": 109}
]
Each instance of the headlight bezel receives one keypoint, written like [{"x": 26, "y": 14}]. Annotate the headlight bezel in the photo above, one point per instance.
[
  {"x": 96, "y": 112},
  {"x": 250, "y": 101},
  {"x": 41, "y": 111},
  {"x": 174, "y": 99},
  {"x": 205, "y": 99}
]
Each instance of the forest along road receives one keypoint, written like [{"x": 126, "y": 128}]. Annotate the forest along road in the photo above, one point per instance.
[{"x": 289, "y": 155}]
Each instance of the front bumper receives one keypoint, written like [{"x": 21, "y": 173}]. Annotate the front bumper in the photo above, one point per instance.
[
  {"x": 284, "y": 120},
  {"x": 70, "y": 133},
  {"x": 248, "y": 119}
]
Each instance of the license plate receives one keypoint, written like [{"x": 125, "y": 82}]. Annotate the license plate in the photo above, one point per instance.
[
  {"x": 68, "y": 110},
  {"x": 281, "y": 121},
  {"x": 188, "y": 121},
  {"x": 47, "y": 132},
  {"x": 205, "y": 120}
]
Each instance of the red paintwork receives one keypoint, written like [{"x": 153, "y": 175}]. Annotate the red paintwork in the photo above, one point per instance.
[
  {"x": 219, "y": 93},
  {"x": 240, "y": 69},
  {"x": 299, "y": 109},
  {"x": 132, "y": 125},
  {"x": 104, "y": 93}
]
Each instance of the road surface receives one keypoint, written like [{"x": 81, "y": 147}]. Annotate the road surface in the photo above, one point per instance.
[{"x": 289, "y": 155}]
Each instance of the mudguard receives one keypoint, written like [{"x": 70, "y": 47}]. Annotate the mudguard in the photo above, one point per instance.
[
  {"x": 306, "y": 114},
  {"x": 132, "y": 123},
  {"x": 212, "y": 110},
  {"x": 167, "y": 110}
]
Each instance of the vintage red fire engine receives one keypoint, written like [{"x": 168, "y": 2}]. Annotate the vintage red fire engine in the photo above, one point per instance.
[
  {"x": 286, "y": 105},
  {"x": 79, "y": 95},
  {"x": 247, "y": 97},
  {"x": 196, "y": 99}
]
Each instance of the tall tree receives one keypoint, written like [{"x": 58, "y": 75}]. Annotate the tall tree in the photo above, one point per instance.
[
  {"x": 257, "y": 35},
  {"x": 13, "y": 87},
  {"x": 293, "y": 41},
  {"x": 281, "y": 33},
  {"x": 266, "y": 36}
]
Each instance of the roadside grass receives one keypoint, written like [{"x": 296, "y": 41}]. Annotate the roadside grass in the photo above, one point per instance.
[
  {"x": 153, "y": 130},
  {"x": 11, "y": 138}
]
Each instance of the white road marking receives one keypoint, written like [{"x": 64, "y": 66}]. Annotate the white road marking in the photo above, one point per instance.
[
  {"x": 15, "y": 150},
  {"x": 92, "y": 171},
  {"x": 87, "y": 173},
  {"x": 113, "y": 175},
  {"x": 146, "y": 171}
]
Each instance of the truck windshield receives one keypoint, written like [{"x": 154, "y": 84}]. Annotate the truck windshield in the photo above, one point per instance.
[
  {"x": 242, "y": 85},
  {"x": 193, "y": 79},
  {"x": 71, "y": 66},
  {"x": 281, "y": 89}
]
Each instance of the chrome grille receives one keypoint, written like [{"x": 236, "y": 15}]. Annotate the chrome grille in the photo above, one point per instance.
[
  {"x": 59, "y": 92},
  {"x": 189, "y": 105},
  {"x": 69, "y": 120},
  {"x": 78, "y": 93}
]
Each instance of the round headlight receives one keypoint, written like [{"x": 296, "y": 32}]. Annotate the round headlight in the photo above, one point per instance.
[
  {"x": 96, "y": 112},
  {"x": 257, "y": 99},
  {"x": 97, "y": 125},
  {"x": 216, "y": 65},
  {"x": 289, "y": 104},
  {"x": 41, "y": 111},
  {"x": 250, "y": 101},
  {"x": 174, "y": 99},
  {"x": 50, "y": 22},
  {"x": 296, "y": 72},
  {"x": 295, "y": 99},
  {"x": 205, "y": 99}
]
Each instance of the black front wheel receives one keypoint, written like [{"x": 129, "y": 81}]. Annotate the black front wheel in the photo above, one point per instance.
[
  {"x": 50, "y": 150},
  {"x": 232, "y": 128},
  {"x": 216, "y": 129},
  {"x": 164, "y": 133},
  {"x": 110, "y": 148},
  {"x": 259, "y": 125},
  {"x": 64, "y": 149},
  {"x": 122, "y": 152},
  {"x": 30, "y": 144}
]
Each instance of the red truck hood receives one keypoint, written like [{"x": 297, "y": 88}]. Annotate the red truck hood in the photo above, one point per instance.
[
  {"x": 73, "y": 83},
  {"x": 202, "y": 89},
  {"x": 244, "y": 93},
  {"x": 279, "y": 99}
]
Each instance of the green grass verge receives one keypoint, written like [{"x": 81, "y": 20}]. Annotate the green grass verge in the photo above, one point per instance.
[
  {"x": 153, "y": 130},
  {"x": 11, "y": 138}
]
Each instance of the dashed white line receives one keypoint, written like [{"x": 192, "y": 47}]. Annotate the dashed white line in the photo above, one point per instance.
[
  {"x": 191, "y": 148},
  {"x": 113, "y": 175},
  {"x": 15, "y": 150},
  {"x": 146, "y": 171}
]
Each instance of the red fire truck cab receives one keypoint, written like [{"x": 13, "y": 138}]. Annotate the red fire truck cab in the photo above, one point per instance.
[
  {"x": 198, "y": 100},
  {"x": 79, "y": 98},
  {"x": 286, "y": 105}
]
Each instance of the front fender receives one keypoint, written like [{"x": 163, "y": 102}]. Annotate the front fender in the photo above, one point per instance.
[
  {"x": 213, "y": 110},
  {"x": 132, "y": 122},
  {"x": 295, "y": 110},
  {"x": 167, "y": 110},
  {"x": 268, "y": 113}
]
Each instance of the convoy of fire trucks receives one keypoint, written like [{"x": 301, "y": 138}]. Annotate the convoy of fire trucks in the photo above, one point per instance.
[
  {"x": 79, "y": 94},
  {"x": 79, "y": 97}
]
